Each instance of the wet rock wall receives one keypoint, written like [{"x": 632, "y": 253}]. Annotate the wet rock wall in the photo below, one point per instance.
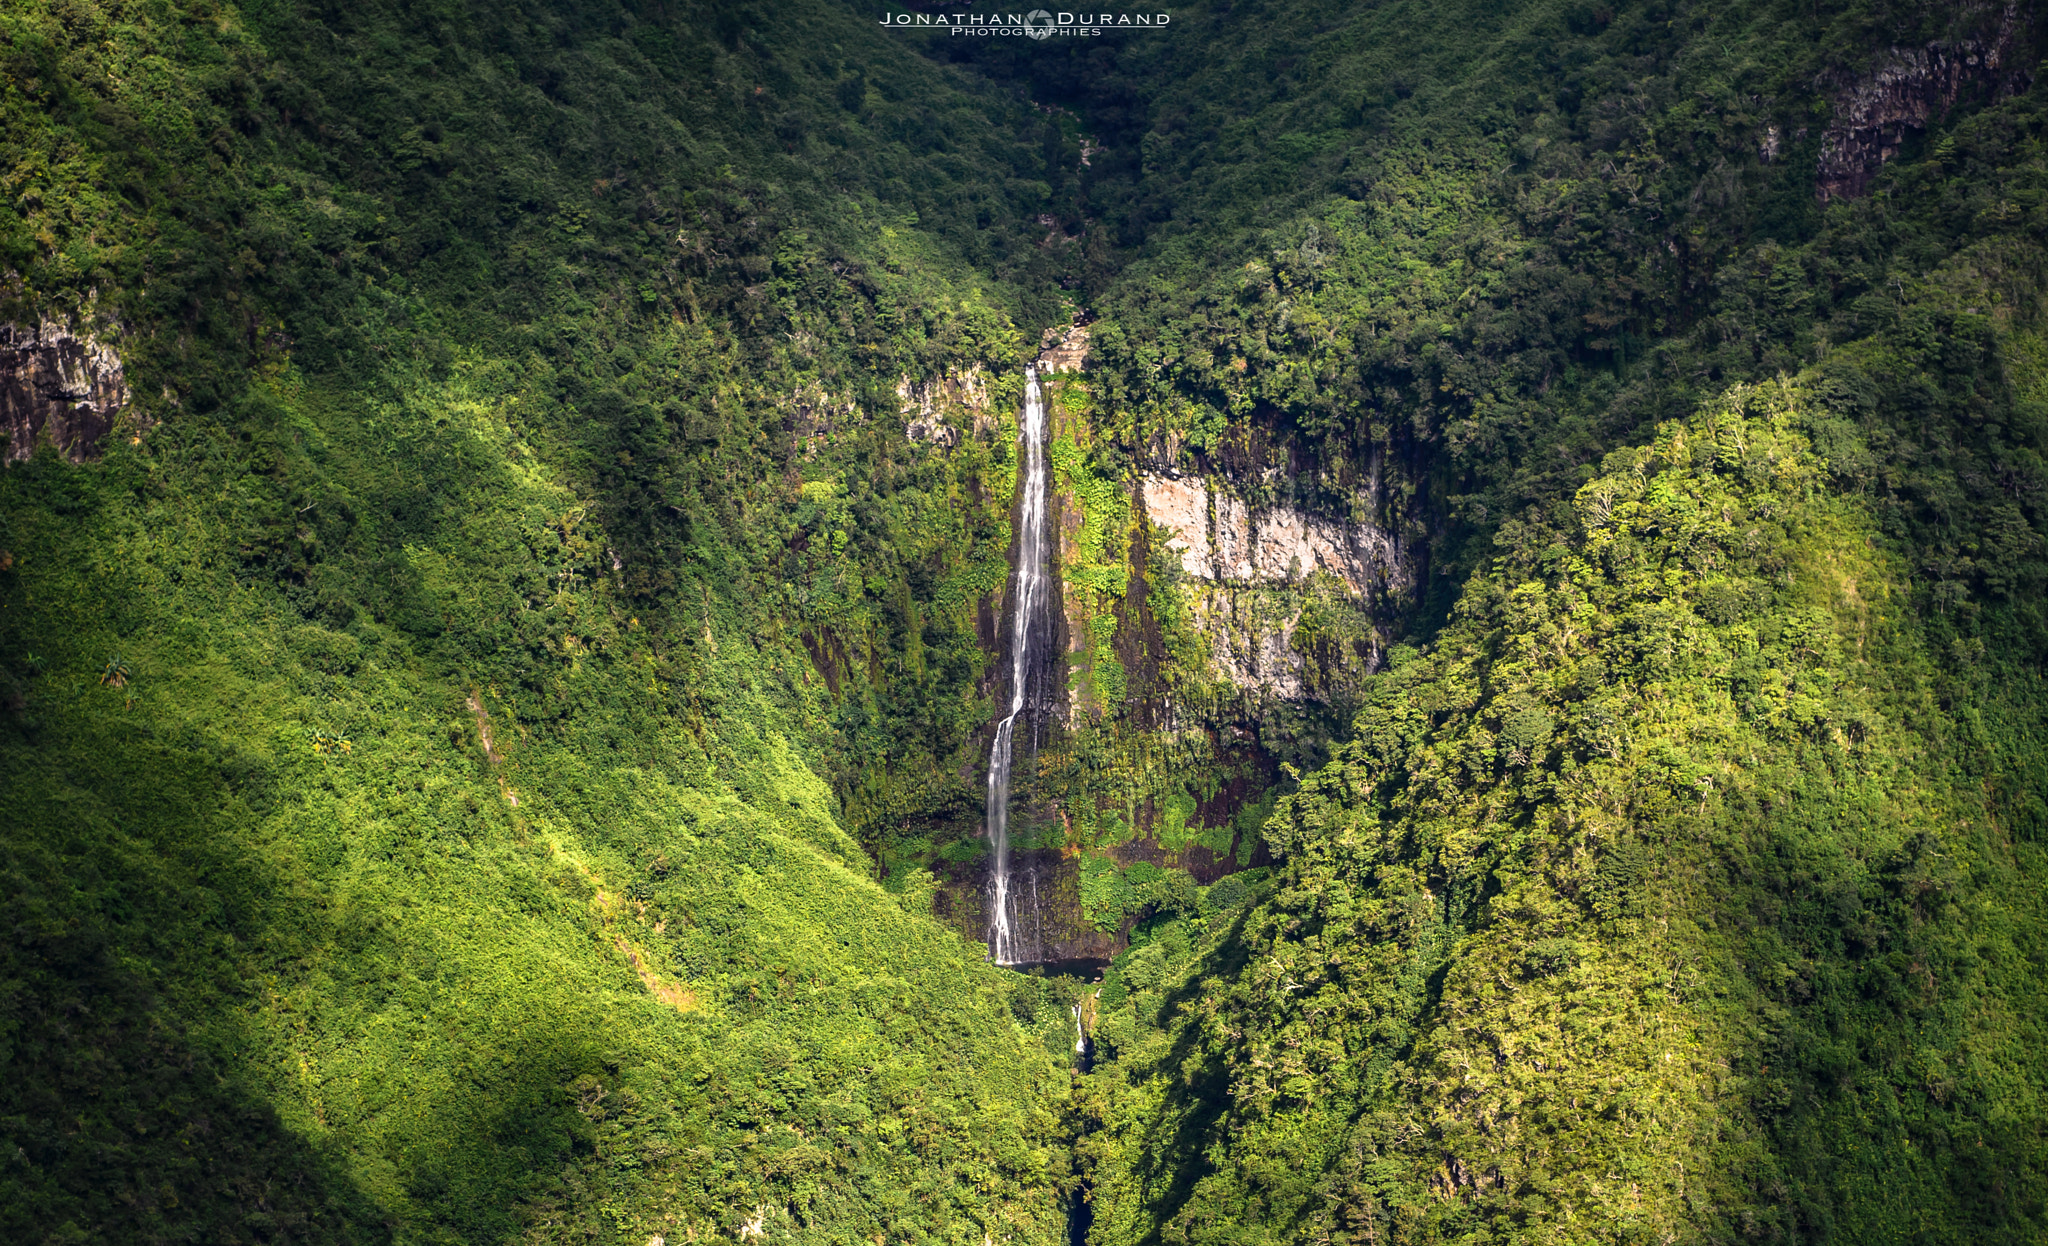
[{"x": 58, "y": 388}]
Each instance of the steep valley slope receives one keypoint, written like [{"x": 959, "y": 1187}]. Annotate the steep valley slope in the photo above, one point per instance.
[{"x": 506, "y": 585}]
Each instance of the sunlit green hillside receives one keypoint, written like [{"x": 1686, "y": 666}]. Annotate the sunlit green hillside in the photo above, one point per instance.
[
  {"x": 493, "y": 732},
  {"x": 414, "y": 823}
]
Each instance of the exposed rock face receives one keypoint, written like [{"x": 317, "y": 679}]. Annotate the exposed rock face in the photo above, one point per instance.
[
  {"x": 1219, "y": 538},
  {"x": 927, "y": 405},
  {"x": 58, "y": 387},
  {"x": 1048, "y": 909},
  {"x": 1047, "y": 882},
  {"x": 1906, "y": 89},
  {"x": 814, "y": 418},
  {"x": 1063, "y": 350},
  {"x": 935, "y": 411},
  {"x": 1256, "y": 573}
]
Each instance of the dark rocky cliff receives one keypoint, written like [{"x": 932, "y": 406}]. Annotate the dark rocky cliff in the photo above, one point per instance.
[
  {"x": 57, "y": 387},
  {"x": 1907, "y": 87}
]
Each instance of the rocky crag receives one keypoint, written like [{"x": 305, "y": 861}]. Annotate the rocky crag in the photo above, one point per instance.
[
  {"x": 58, "y": 387},
  {"x": 1875, "y": 114}
]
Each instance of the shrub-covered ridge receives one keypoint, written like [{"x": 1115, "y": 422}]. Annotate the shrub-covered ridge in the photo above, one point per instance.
[{"x": 1659, "y": 896}]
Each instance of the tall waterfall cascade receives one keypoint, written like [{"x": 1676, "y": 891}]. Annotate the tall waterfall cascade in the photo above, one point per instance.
[{"x": 1026, "y": 611}]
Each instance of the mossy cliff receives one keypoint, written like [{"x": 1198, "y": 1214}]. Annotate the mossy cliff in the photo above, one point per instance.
[{"x": 1193, "y": 646}]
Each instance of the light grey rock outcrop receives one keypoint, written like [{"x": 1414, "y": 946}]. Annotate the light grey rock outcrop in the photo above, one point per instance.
[
  {"x": 1255, "y": 573},
  {"x": 933, "y": 411}
]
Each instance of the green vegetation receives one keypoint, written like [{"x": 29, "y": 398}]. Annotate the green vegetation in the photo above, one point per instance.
[
  {"x": 414, "y": 828},
  {"x": 1109, "y": 895},
  {"x": 1625, "y": 901},
  {"x": 1662, "y": 893},
  {"x": 491, "y": 742}
]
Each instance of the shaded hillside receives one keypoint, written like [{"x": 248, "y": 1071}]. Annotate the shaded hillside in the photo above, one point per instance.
[
  {"x": 1666, "y": 888},
  {"x": 414, "y": 829}
]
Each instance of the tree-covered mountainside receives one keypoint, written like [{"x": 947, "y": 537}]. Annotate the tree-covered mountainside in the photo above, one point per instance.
[
  {"x": 416, "y": 824},
  {"x": 1661, "y": 896},
  {"x": 506, "y": 540}
]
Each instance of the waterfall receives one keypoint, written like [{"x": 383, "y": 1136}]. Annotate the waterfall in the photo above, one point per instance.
[{"x": 1025, "y": 608}]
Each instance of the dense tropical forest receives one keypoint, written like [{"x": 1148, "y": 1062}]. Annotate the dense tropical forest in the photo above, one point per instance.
[{"x": 509, "y": 580}]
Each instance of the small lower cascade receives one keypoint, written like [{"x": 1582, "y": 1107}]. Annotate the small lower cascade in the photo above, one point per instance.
[{"x": 1026, "y": 607}]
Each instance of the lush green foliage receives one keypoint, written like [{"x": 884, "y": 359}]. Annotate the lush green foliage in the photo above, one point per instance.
[
  {"x": 413, "y": 822},
  {"x": 1630, "y": 902},
  {"x": 446, "y": 735},
  {"x": 1668, "y": 889}
]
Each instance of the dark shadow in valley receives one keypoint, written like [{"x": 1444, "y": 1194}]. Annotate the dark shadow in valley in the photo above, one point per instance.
[
  {"x": 1175, "y": 1145},
  {"x": 127, "y": 1110}
]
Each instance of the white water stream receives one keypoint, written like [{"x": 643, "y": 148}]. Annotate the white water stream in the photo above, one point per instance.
[{"x": 1026, "y": 606}]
